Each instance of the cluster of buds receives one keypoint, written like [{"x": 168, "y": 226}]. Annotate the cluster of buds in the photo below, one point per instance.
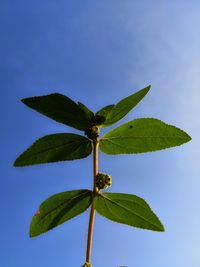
[
  {"x": 92, "y": 131},
  {"x": 103, "y": 180}
]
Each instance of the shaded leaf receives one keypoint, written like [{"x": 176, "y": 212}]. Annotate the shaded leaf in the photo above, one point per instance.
[
  {"x": 58, "y": 209},
  {"x": 104, "y": 111},
  {"x": 60, "y": 108},
  {"x": 86, "y": 110},
  {"x": 142, "y": 135},
  {"x": 127, "y": 209},
  {"x": 124, "y": 106},
  {"x": 55, "y": 147}
]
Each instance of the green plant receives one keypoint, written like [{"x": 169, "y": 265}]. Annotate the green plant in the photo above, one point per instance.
[{"x": 136, "y": 136}]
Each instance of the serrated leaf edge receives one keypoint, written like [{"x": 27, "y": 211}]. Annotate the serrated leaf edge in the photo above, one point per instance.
[{"x": 161, "y": 229}]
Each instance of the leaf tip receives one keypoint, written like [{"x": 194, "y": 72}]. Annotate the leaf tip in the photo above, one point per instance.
[
  {"x": 16, "y": 163},
  {"x": 189, "y": 138},
  {"x": 31, "y": 235},
  {"x": 186, "y": 138},
  {"x": 24, "y": 101},
  {"x": 31, "y": 232},
  {"x": 146, "y": 89},
  {"x": 32, "y": 228},
  {"x": 161, "y": 228}
]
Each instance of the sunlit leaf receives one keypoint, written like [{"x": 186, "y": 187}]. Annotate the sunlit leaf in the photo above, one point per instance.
[
  {"x": 127, "y": 209},
  {"x": 58, "y": 209},
  {"x": 142, "y": 135},
  {"x": 124, "y": 106},
  {"x": 105, "y": 111},
  {"x": 55, "y": 147}
]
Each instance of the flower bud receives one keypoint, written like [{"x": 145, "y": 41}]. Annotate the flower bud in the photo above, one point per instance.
[
  {"x": 92, "y": 132},
  {"x": 103, "y": 180}
]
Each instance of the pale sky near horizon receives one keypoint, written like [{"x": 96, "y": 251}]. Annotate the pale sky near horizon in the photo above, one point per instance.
[{"x": 99, "y": 52}]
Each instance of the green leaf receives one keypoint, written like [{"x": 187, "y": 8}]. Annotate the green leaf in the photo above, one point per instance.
[
  {"x": 124, "y": 106},
  {"x": 55, "y": 147},
  {"x": 60, "y": 108},
  {"x": 58, "y": 209},
  {"x": 104, "y": 111},
  {"x": 127, "y": 209},
  {"x": 142, "y": 135},
  {"x": 86, "y": 110}
]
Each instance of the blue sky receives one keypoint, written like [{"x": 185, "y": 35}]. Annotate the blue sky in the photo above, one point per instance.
[{"x": 99, "y": 52}]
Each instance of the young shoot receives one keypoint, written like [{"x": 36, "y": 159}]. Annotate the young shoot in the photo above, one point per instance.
[{"x": 136, "y": 136}]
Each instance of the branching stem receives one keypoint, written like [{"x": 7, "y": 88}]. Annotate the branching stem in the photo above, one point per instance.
[{"x": 92, "y": 211}]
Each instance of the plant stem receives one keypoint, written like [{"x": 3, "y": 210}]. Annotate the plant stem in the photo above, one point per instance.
[{"x": 92, "y": 211}]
